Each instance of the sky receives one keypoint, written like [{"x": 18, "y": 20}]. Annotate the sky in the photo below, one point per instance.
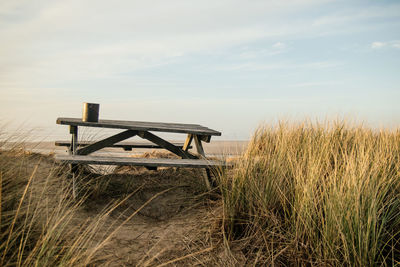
[{"x": 228, "y": 65}]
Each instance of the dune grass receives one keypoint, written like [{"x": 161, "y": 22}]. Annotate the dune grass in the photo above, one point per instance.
[
  {"x": 316, "y": 194},
  {"x": 39, "y": 219},
  {"x": 302, "y": 194},
  {"x": 41, "y": 224}
]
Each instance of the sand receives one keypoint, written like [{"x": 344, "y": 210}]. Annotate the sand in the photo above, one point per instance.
[{"x": 179, "y": 226}]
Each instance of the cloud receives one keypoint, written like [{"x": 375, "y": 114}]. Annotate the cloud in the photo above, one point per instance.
[
  {"x": 391, "y": 44},
  {"x": 316, "y": 84},
  {"x": 396, "y": 44},
  {"x": 354, "y": 14},
  {"x": 270, "y": 50},
  {"x": 279, "y": 45},
  {"x": 257, "y": 66},
  {"x": 55, "y": 41},
  {"x": 377, "y": 45}
]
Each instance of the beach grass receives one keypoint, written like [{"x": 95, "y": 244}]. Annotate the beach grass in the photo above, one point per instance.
[
  {"x": 39, "y": 219},
  {"x": 301, "y": 194},
  {"x": 43, "y": 225},
  {"x": 316, "y": 194}
]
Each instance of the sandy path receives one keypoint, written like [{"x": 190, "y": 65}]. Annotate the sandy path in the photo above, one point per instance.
[
  {"x": 174, "y": 224},
  {"x": 144, "y": 242}
]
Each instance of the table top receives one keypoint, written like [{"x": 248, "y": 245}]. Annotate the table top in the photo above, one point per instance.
[{"x": 142, "y": 126}]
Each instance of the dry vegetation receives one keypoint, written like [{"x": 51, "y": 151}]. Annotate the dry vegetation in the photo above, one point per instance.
[
  {"x": 317, "y": 195},
  {"x": 128, "y": 217},
  {"x": 300, "y": 195},
  {"x": 36, "y": 214}
]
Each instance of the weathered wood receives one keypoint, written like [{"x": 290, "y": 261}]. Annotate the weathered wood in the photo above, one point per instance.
[
  {"x": 146, "y": 162},
  {"x": 124, "y": 145},
  {"x": 207, "y": 175},
  {"x": 165, "y": 144},
  {"x": 199, "y": 146},
  {"x": 74, "y": 139},
  {"x": 142, "y": 126},
  {"x": 188, "y": 141},
  {"x": 194, "y": 131},
  {"x": 72, "y": 151},
  {"x": 106, "y": 142}
]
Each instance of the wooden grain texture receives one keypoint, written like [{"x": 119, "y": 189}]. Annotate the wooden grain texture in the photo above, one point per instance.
[
  {"x": 124, "y": 145},
  {"x": 183, "y": 163},
  {"x": 142, "y": 126},
  {"x": 106, "y": 142}
]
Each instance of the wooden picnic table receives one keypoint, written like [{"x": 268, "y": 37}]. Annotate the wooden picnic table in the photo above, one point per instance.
[{"x": 79, "y": 152}]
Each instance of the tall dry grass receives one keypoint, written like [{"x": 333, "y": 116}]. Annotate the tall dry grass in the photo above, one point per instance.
[
  {"x": 40, "y": 222},
  {"x": 316, "y": 194}
]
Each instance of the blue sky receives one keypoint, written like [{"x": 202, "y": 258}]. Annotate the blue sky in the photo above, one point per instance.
[{"x": 228, "y": 65}]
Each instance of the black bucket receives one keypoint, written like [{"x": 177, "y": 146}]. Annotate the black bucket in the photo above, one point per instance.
[{"x": 90, "y": 112}]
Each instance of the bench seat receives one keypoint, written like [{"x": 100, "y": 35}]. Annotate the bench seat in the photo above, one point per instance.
[
  {"x": 127, "y": 146},
  {"x": 146, "y": 162}
]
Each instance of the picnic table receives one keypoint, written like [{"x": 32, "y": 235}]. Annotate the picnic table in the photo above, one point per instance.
[{"x": 79, "y": 151}]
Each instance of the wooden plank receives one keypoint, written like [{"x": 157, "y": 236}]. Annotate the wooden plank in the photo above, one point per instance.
[
  {"x": 188, "y": 141},
  {"x": 165, "y": 144},
  {"x": 124, "y": 145},
  {"x": 183, "y": 163},
  {"x": 142, "y": 126},
  {"x": 143, "y": 123},
  {"x": 106, "y": 142}
]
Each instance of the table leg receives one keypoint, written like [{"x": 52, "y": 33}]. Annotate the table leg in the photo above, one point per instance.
[
  {"x": 73, "y": 130},
  {"x": 200, "y": 150},
  {"x": 199, "y": 146},
  {"x": 188, "y": 141},
  {"x": 72, "y": 151}
]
